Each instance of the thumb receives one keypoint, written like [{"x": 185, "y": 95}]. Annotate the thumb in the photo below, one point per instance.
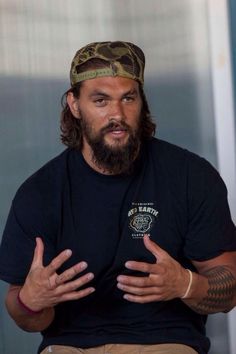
[
  {"x": 38, "y": 254},
  {"x": 153, "y": 247}
]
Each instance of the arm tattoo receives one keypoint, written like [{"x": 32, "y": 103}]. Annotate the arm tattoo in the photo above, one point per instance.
[{"x": 221, "y": 292}]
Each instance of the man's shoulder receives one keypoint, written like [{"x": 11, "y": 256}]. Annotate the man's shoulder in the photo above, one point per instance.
[
  {"x": 175, "y": 157},
  {"x": 55, "y": 163},
  {"x": 47, "y": 177},
  {"x": 165, "y": 149}
]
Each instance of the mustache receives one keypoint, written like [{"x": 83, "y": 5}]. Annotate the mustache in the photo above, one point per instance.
[{"x": 113, "y": 126}]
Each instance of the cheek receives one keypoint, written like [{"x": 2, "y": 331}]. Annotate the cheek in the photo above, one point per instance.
[
  {"x": 97, "y": 116},
  {"x": 134, "y": 118},
  {"x": 94, "y": 119},
  {"x": 95, "y": 125}
]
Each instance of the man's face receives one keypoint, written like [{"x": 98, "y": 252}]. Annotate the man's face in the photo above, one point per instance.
[{"x": 110, "y": 110}]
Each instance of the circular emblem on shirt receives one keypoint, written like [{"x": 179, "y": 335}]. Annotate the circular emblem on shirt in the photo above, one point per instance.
[
  {"x": 142, "y": 217},
  {"x": 141, "y": 222}
]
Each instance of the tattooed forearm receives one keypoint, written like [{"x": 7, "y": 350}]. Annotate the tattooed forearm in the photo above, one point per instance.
[{"x": 221, "y": 292}]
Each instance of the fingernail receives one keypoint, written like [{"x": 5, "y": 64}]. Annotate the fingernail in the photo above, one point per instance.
[
  {"x": 120, "y": 286},
  {"x": 83, "y": 265},
  {"x": 68, "y": 252},
  {"x": 90, "y": 276}
]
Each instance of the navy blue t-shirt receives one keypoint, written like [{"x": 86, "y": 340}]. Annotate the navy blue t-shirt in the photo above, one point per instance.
[{"x": 173, "y": 195}]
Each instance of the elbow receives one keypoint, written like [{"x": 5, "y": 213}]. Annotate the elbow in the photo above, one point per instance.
[{"x": 29, "y": 323}]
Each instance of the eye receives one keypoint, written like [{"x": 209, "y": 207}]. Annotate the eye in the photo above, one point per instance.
[
  {"x": 128, "y": 99},
  {"x": 100, "y": 102}
]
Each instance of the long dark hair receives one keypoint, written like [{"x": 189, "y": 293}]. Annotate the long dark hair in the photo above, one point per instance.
[{"x": 71, "y": 131}]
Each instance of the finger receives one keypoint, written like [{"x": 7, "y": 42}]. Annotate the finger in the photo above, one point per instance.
[
  {"x": 71, "y": 273},
  {"x": 75, "y": 284},
  {"x": 38, "y": 254},
  {"x": 142, "y": 299},
  {"x": 138, "y": 290},
  {"x": 142, "y": 267},
  {"x": 134, "y": 281},
  {"x": 57, "y": 262},
  {"x": 153, "y": 247},
  {"x": 76, "y": 295}
]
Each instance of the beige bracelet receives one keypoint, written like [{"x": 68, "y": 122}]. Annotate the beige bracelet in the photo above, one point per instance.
[{"x": 189, "y": 284}]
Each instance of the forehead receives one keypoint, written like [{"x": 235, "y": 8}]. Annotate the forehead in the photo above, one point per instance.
[{"x": 109, "y": 85}]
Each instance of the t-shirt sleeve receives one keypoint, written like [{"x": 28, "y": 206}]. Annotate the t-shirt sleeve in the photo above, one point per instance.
[
  {"x": 26, "y": 221},
  {"x": 210, "y": 227}
]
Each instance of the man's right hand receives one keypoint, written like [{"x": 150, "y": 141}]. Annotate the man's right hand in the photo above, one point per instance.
[{"x": 44, "y": 288}]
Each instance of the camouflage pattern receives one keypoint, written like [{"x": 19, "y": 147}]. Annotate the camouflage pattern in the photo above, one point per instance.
[{"x": 125, "y": 59}]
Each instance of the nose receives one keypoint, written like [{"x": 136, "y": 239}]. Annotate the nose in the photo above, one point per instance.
[{"x": 117, "y": 112}]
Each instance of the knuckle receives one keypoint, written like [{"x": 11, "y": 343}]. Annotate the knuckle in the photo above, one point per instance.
[
  {"x": 72, "y": 286},
  {"x": 145, "y": 268},
  {"x": 60, "y": 280},
  {"x": 68, "y": 275},
  {"x": 51, "y": 285},
  {"x": 140, "y": 291},
  {"x": 64, "y": 277},
  {"x": 74, "y": 272},
  {"x": 143, "y": 282},
  {"x": 52, "y": 266}
]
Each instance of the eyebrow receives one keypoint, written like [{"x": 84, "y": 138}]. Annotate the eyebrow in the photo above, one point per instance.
[
  {"x": 98, "y": 93},
  {"x": 131, "y": 92},
  {"x": 95, "y": 93}
]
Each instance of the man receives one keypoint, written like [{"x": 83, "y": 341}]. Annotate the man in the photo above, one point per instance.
[{"x": 134, "y": 239}]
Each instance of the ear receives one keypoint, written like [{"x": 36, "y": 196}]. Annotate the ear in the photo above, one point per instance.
[{"x": 73, "y": 103}]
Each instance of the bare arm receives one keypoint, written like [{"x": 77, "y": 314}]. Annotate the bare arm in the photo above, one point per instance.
[
  {"x": 44, "y": 289},
  {"x": 213, "y": 288},
  {"x": 28, "y": 322}
]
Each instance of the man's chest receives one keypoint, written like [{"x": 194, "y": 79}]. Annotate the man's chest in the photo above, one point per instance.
[{"x": 104, "y": 224}]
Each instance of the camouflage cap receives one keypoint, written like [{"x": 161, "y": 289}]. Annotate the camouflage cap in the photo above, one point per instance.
[{"x": 125, "y": 59}]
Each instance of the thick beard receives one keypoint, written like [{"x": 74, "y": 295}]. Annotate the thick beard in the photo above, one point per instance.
[{"x": 113, "y": 159}]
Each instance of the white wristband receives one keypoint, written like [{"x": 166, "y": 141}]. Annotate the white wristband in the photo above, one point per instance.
[{"x": 189, "y": 284}]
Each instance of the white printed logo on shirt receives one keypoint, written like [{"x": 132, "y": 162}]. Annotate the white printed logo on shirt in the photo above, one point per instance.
[{"x": 142, "y": 217}]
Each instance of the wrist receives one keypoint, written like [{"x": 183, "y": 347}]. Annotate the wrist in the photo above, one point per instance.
[
  {"x": 26, "y": 308},
  {"x": 188, "y": 288}
]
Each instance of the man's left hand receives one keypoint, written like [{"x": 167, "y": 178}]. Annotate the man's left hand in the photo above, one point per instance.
[{"x": 167, "y": 279}]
